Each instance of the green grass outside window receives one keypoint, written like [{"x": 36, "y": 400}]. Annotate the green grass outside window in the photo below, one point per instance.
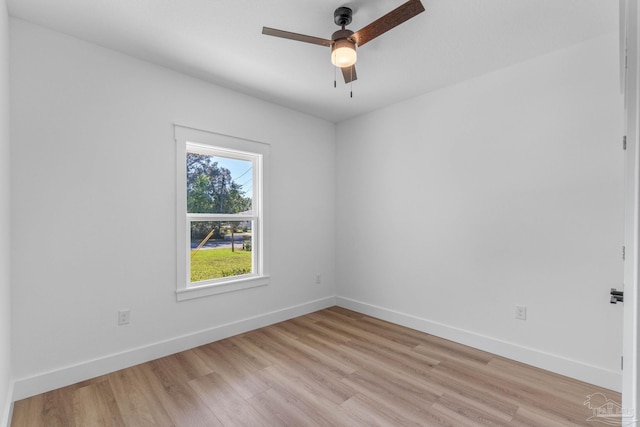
[{"x": 216, "y": 263}]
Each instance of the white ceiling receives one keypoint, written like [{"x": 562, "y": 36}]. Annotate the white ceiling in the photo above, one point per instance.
[{"x": 220, "y": 41}]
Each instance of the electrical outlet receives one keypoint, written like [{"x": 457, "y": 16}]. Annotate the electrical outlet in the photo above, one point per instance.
[
  {"x": 521, "y": 312},
  {"x": 318, "y": 279},
  {"x": 123, "y": 317}
]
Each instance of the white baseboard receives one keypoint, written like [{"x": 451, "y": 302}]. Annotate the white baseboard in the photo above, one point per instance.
[
  {"x": 7, "y": 407},
  {"x": 65, "y": 376},
  {"x": 550, "y": 362}
]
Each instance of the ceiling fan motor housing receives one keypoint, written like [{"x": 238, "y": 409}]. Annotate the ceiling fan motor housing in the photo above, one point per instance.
[{"x": 342, "y": 34}]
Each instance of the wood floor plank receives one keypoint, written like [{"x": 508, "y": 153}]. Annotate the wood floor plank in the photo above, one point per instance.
[
  {"x": 296, "y": 327},
  {"x": 323, "y": 359},
  {"x": 459, "y": 350},
  {"x": 365, "y": 362},
  {"x": 533, "y": 417},
  {"x": 94, "y": 405},
  {"x": 386, "y": 347},
  {"x": 334, "y": 367},
  {"x": 295, "y": 356},
  {"x": 401, "y": 335},
  {"x": 333, "y": 391},
  {"x": 454, "y": 418},
  {"x": 57, "y": 409},
  {"x": 480, "y": 396},
  {"x": 514, "y": 390},
  {"x": 180, "y": 402},
  {"x": 278, "y": 410},
  {"x": 188, "y": 365},
  {"x": 324, "y": 405},
  {"x": 317, "y": 328},
  {"x": 441, "y": 352},
  {"x": 466, "y": 411},
  {"x": 407, "y": 361},
  {"x": 29, "y": 412},
  {"x": 289, "y": 409},
  {"x": 232, "y": 369},
  {"x": 390, "y": 389},
  {"x": 137, "y": 406},
  {"x": 504, "y": 413},
  {"x": 250, "y": 360},
  {"x": 368, "y": 412},
  {"x": 346, "y": 312},
  {"x": 227, "y": 404},
  {"x": 399, "y": 407},
  {"x": 552, "y": 383}
]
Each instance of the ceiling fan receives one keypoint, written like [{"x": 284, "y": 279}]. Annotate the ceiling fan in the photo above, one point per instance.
[{"x": 343, "y": 42}]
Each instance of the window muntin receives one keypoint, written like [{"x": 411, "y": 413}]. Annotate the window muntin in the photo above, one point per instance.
[{"x": 220, "y": 213}]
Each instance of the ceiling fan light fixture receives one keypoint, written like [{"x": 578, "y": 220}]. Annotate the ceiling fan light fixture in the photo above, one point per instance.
[{"x": 343, "y": 53}]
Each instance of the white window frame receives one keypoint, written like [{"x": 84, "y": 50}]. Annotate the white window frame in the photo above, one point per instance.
[{"x": 215, "y": 144}]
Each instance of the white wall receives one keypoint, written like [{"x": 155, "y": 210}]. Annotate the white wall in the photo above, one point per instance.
[
  {"x": 5, "y": 288},
  {"x": 506, "y": 189},
  {"x": 93, "y": 205}
]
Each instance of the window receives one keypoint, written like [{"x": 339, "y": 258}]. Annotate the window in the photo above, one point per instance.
[{"x": 221, "y": 227}]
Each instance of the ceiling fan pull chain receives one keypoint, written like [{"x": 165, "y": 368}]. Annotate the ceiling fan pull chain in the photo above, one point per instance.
[
  {"x": 335, "y": 73},
  {"x": 351, "y": 83}
]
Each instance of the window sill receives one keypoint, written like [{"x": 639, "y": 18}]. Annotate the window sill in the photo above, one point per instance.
[{"x": 221, "y": 288}]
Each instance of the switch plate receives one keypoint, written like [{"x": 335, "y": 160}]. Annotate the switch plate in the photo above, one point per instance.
[
  {"x": 123, "y": 317},
  {"x": 521, "y": 312},
  {"x": 318, "y": 279}
]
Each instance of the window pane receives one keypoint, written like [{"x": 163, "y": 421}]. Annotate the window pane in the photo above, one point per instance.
[
  {"x": 217, "y": 184},
  {"x": 220, "y": 249}
]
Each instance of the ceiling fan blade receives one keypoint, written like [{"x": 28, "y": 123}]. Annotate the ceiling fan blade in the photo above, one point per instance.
[
  {"x": 295, "y": 36},
  {"x": 392, "y": 19},
  {"x": 349, "y": 74}
]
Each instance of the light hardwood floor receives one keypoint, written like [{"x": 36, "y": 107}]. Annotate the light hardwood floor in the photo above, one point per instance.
[{"x": 332, "y": 368}]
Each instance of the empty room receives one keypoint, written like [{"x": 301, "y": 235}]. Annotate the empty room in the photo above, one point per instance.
[{"x": 389, "y": 212}]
